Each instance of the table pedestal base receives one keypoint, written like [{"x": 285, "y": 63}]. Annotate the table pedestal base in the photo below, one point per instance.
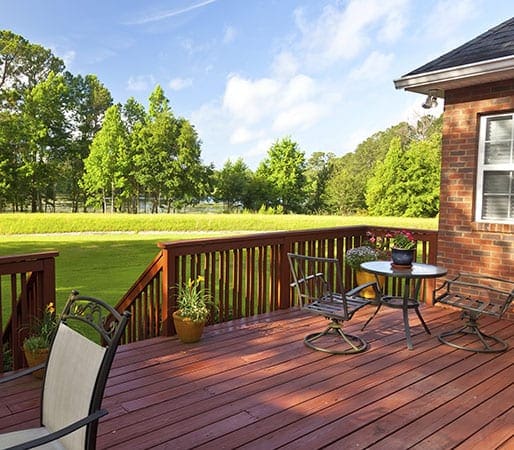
[{"x": 403, "y": 303}]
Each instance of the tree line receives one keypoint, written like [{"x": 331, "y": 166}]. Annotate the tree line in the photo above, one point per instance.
[
  {"x": 62, "y": 137},
  {"x": 395, "y": 172}
]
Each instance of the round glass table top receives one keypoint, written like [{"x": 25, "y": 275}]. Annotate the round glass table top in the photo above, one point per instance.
[{"x": 417, "y": 270}]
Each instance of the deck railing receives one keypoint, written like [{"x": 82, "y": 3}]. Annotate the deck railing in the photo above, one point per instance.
[
  {"x": 27, "y": 285},
  {"x": 245, "y": 274}
]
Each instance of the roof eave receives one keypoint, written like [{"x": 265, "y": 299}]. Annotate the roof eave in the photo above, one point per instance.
[{"x": 456, "y": 77}]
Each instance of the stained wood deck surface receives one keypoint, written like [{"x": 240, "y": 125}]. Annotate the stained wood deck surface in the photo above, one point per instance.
[{"x": 253, "y": 384}]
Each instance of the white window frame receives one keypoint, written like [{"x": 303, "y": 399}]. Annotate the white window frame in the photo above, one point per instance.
[{"x": 482, "y": 168}]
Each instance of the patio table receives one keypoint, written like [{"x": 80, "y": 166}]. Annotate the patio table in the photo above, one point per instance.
[{"x": 409, "y": 299}]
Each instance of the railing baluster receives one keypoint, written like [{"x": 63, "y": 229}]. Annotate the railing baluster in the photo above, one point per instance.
[
  {"x": 28, "y": 281},
  {"x": 246, "y": 275}
]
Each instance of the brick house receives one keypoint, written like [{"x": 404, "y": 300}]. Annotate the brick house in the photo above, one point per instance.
[{"x": 476, "y": 80}]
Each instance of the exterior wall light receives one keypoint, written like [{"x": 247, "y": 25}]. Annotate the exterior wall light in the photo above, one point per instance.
[{"x": 431, "y": 100}]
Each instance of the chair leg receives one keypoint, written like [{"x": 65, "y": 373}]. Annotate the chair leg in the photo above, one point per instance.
[
  {"x": 372, "y": 316},
  {"x": 354, "y": 344},
  {"x": 489, "y": 343}
]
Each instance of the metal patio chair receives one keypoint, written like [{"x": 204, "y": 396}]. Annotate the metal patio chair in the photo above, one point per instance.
[
  {"x": 318, "y": 284},
  {"x": 75, "y": 376},
  {"x": 475, "y": 295}
]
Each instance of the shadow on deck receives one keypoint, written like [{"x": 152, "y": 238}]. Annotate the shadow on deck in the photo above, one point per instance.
[{"x": 252, "y": 383}]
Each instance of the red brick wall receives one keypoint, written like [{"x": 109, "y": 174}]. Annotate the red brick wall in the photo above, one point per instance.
[{"x": 464, "y": 244}]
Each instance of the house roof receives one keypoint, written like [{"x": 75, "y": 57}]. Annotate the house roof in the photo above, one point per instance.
[{"x": 488, "y": 57}]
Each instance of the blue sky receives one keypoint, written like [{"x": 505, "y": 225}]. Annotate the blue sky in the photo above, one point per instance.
[{"x": 249, "y": 72}]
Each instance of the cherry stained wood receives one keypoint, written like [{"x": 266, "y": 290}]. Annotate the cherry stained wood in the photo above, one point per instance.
[{"x": 252, "y": 384}]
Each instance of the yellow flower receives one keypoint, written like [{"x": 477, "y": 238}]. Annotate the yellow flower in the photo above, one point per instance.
[{"x": 200, "y": 279}]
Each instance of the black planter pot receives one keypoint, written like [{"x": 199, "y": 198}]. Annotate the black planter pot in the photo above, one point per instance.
[{"x": 402, "y": 257}]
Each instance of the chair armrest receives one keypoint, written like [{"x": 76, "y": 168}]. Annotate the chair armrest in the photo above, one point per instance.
[
  {"x": 481, "y": 294},
  {"x": 361, "y": 287},
  {"x": 60, "y": 433},
  {"x": 21, "y": 373}
]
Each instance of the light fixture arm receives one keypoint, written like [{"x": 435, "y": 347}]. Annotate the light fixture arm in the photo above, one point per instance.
[{"x": 431, "y": 100}]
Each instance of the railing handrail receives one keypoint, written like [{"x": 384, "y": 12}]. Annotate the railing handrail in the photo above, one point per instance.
[
  {"x": 8, "y": 264},
  {"x": 248, "y": 273},
  {"x": 242, "y": 240},
  {"x": 31, "y": 287}
]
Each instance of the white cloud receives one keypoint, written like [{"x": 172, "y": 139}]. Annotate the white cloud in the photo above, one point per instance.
[
  {"x": 448, "y": 16},
  {"x": 298, "y": 89},
  {"x": 301, "y": 116},
  {"x": 285, "y": 65},
  {"x": 169, "y": 13},
  {"x": 260, "y": 149},
  {"x": 140, "y": 83},
  {"x": 298, "y": 94},
  {"x": 229, "y": 35},
  {"x": 69, "y": 57},
  {"x": 177, "y": 84},
  {"x": 356, "y": 137},
  {"x": 342, "y": 34},
  {"x": 249, "y": 101},
  {"x": 242, "y": 135},
  {"x": 286, "y": 104},
  {"x": 373, "y": 67}
]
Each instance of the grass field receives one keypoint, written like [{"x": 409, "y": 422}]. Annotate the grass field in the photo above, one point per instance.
[
  {"x": 19, "y": 223},
  {"x": 102, "y": 255}
]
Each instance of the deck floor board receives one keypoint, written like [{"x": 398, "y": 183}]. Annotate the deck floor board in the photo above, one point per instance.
[{"x": 252, "y": 384}]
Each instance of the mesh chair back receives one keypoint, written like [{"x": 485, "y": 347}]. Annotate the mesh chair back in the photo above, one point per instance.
[
  {"x": 71, "y": 375},
  {"x": 79, "y": 361}
]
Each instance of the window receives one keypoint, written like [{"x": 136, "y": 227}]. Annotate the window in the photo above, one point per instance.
[{"x": 495, "y": 177}]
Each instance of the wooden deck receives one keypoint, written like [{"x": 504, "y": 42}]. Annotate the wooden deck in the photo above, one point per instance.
[{"x": 253, "y": 384}]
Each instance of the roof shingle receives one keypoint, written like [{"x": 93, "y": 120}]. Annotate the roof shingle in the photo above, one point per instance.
[{"x": 495, "y": 43}]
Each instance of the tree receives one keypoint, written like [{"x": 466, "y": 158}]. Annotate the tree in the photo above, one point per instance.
[
  {"x": 9, "y": 164},
  {"x": 284, "y": 170},
  {"x": 191, "y": 180},
  {"x": 22, "y": 64},
  {"x": 87, "y": 102},
  {"x": 156, "y": 151},
  {"x": 233, "y": 183},
  {"x": 134, "y": 118},
  {"x": 134, "y": 114},
  {"x": 103, "y": 174},
  {"x": 426, "y": 126},
  {"x": 407, "y": 183},
  {"x": 43, "y": 138},
  {"x": 32, "y": 109},
  {"x": 346, "y": 190},
  {"x": 318, "y": 172}
]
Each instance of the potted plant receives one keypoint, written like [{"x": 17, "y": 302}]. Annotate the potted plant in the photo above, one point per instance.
[
  {"x": 355, "y": 257},
  {"x": 193, "y": 304},
  {"x": 403, "y": 248},
  {"x": 37, "y": 344}
]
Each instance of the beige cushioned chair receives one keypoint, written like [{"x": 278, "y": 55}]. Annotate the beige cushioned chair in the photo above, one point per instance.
[{"x": 75, "y": 377}]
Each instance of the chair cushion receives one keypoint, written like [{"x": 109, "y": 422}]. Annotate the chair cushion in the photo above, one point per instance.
[
  {"x": 71, "y": 374},
  {"x": 18, "y": 437}
]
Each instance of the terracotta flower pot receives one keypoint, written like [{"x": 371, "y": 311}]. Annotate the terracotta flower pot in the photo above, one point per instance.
[{"x": 188, "y": 331}]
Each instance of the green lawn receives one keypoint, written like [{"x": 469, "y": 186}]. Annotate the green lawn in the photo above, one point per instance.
[
  {"x": 19, "y": 223},
  {"x": 102, "y": 255}
]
